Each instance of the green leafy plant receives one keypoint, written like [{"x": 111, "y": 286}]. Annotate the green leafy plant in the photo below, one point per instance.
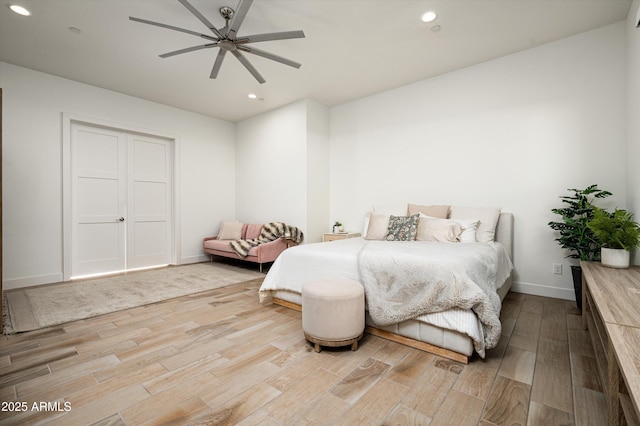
[
  {"x": 615, "y": 230},
  {"x": 337, "y": 223},
  {"x": 575, "y": 235}
]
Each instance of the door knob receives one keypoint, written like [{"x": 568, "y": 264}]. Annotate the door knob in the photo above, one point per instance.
[{"x": 121, "y": 219}]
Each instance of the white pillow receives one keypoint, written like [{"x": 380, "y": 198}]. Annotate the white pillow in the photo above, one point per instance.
[
  {"x": 230, "y": 230},
  {"x": 377, "y": 228},
  {"x": 367, "y": 218},
  {"x": 436, "y": 229},
  {"x": 487, "y": 217},
  {"x": 469, "y": 227}
]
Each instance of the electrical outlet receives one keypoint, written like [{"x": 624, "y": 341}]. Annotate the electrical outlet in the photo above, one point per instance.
[{"x": 557, "y": 268}]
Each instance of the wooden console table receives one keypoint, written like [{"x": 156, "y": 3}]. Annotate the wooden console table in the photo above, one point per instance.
[{"x": 611, "y": 312}]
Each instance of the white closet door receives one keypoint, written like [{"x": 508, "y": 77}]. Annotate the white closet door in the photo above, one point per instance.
[
  {"x": 121, "y": 201},
  {"x": 98, "y": 195},
  {"x": 149, "y": 204}
]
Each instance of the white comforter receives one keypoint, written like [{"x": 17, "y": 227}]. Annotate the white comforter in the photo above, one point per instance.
[{"x": 299, "y": 265}]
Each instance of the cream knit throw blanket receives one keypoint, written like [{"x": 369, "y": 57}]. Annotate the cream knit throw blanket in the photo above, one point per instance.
[
  {"x": 270, "y": 232},
  {"x": 406, "y": 281}
]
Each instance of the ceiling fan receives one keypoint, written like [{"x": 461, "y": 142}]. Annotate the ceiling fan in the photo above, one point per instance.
[{"x": 228, "y": 40}]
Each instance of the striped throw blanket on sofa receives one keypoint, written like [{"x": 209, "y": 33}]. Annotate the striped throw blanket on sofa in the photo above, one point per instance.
[{"x": 270, "y": 232}]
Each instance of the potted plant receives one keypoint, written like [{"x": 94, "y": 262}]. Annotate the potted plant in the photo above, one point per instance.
[
  {"x": 337, "y": 227},
  {"x": 618, "y": 234},
  {"x": 575, "y": 235}
]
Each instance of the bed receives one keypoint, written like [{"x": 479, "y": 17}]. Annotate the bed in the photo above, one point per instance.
[{"x": 453, "y": 331}]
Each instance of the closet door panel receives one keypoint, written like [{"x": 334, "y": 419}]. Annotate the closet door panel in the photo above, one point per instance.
[
  {"x": 98, "y": 188},
  {"x": 150, "y": 202}
]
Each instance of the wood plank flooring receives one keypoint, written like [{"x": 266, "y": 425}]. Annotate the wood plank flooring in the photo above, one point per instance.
[{"x": 220, "y": 357}]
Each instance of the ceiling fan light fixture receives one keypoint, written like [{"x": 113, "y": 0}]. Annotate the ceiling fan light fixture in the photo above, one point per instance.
[
  {"x": 429, "y": 16},
  {"x": 23, "y": 11}
]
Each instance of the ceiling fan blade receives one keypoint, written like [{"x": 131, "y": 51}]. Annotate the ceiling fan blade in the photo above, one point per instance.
[
  {"x": 244, "y": 61},
  {"x": 268, "y": 55},
  {"x": 218, "y": 63},
  {"x": 284, "y": 35},
  {"x": 171, "y": 27},
  {"x": 201, "y": 17},
  {"x": 238, "y": 17},
  {"x": 187, "y": 50}
]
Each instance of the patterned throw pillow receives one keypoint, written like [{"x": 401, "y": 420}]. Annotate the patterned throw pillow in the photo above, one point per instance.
[{"x": 402, "y": 228}]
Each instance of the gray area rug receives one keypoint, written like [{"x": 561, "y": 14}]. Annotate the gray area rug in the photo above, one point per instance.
[{"x": 44, "y": 306}]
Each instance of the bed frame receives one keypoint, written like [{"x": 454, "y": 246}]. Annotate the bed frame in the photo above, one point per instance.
[{"x": 504, "y": 235}]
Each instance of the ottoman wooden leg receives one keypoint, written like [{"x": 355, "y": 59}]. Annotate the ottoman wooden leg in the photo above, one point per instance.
[{"x": 317, "y": 343}]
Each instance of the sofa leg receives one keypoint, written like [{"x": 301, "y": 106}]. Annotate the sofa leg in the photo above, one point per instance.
[{"x": 261, "y": 268}]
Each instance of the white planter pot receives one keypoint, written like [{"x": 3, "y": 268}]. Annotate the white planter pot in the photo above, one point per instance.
[{"x": 614, "y": 258}]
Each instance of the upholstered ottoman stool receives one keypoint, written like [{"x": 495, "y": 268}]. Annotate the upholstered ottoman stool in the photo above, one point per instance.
[{"x": 333, "y": 313}]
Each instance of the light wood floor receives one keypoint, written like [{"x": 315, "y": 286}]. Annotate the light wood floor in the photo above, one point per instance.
[{"x": 221, "y": 358}]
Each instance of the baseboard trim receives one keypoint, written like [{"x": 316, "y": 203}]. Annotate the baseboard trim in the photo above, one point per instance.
[
  {"x": 544, "y": 290},
  {"x": 16, "y": 283}
]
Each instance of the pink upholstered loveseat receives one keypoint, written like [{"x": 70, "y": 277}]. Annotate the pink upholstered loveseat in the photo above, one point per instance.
[{"x": 263, "y": 253}]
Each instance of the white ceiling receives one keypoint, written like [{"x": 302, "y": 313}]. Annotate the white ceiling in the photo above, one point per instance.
[{"x": 353, "y": 48}]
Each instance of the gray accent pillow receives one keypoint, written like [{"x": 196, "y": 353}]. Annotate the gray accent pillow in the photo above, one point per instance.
[{"x": 402, "y": 228}]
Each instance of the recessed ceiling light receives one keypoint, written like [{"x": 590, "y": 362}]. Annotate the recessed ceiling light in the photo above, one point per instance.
[
  {"x": 429, "y": 16},
  {"x": 19, "y": 10},
  {"x": 252, "y": 96}
]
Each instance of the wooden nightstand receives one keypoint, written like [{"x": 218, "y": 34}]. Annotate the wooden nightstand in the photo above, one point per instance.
[{"x": 330, "y": 236}]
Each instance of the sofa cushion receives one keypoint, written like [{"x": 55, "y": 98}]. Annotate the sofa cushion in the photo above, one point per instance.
[
  {"x": 230, "y": 230},
  {"x": 253, "y": 231},
  {"x": 220, "y": 245},
  {"x": 225, "y": 246}
]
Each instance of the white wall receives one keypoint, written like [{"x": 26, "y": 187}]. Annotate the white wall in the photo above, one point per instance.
[
  {"x": 282, "y": 168},
  {"x": 317, "y": 171},
  {"x": 32, "y": 167},
  {"x": 271, "y": 154},
  {"x": 515, "y": 132},
  {"x": 633, "y": 113}
]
